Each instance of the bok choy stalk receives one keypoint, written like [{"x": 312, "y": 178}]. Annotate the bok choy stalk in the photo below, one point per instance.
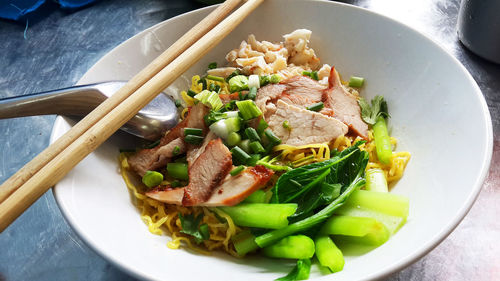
[
  {"x": 291, "y": 247},
  {"x": 376, "y": 115},
  {"x": 328, "y": 254},
  {"x": 260, "y": 215},
  {"x": 357, "y": 229}
]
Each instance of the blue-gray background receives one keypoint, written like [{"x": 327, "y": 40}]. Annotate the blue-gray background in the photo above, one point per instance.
[{"x": 59, "y": 47}]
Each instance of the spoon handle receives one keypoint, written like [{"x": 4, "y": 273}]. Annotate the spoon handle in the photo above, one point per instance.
[{"x": 72, "y": 101}]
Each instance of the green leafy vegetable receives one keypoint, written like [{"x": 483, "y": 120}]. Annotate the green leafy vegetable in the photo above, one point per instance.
[
  {"x": 212, "y": 65},
  {"x": 350, "y": 174},
  {"x": 191, "y": 226},
  {"x": 299, "y": 272},
  {"x": 371, "y": 113}
]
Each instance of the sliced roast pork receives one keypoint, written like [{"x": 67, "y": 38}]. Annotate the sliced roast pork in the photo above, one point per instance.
[
  {"x": 157, "y": 157},
  {"x": 344, "y": 105},
  {"x": 235, "y": 189},
  {"x": 206, "y": 173},
  {"x": 230, "y": 192},
  {"x": 167, "y": 195},
  {"x": 301, "y": 91},
  {"x": 194, "y": 151},
  {"x": 154, "y": 158},
  {"x": 306, "y": 127}
]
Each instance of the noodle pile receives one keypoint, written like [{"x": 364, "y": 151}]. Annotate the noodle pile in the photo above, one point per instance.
[{"x": 161, "y": 217}]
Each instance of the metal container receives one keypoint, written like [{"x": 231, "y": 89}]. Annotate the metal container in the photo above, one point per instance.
[{"x": 479, "y": 27}]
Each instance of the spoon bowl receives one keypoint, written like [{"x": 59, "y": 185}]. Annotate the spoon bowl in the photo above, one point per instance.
[{"x": 149, "y": 123}]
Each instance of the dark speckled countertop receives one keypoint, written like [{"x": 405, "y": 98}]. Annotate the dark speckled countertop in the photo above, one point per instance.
[{"x": 61, "y": 47}]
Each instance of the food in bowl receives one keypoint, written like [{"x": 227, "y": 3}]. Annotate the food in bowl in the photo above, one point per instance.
[{"x": 273, "y": 153}]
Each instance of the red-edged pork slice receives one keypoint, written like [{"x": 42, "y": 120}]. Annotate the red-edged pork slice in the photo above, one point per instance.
[
  {"x": 307, "y": 126},
  {"x": 344, "y": 105},
  {"x": 301, "y": 91},
  {"x": 235, "y": 189},
  {"x": 167, "y": 195},
  {"x": 230, "y": 192},
  {"x": 154, "y": 158},
  {"x": 206, "y": 173},
  {"x": 195, "y": 151}
]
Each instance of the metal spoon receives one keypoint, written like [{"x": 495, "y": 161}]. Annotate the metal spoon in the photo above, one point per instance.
[{"x": 150, "y": 123}]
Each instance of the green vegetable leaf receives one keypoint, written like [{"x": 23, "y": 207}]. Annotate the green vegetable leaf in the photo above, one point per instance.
[
  {"x": 191, "y": 226},
  {"x": 299, "y": 272},
  {"x": 318, "y": 184},
  {"x": 378, "y": 108},
  {"x": 214, "y": 116}
]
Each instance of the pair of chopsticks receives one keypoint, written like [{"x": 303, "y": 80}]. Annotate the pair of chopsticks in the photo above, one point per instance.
[{"x": 45, "y": 170}]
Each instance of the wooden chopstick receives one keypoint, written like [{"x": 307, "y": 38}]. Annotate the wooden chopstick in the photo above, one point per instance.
[
  {"x": 55, "y": 169},
  {"x": 188, "y": 39}
]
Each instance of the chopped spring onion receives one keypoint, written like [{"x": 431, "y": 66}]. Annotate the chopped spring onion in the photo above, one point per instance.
[
  {"x": 262, "y": 126},
  {"x": 248, "y": 109},
  {"x": 275, "y": 78},
  {"x": 233, "y": 124},
  {"x": 236, "y": 171},
  {"x": 210, "y": 98},
  {"x": 175, "y": 183},
  {"x": 254, "y": 158},
  {"x": 178, "y": 170},
  {"x": 316, "y": 107},
  {"x": 193, "y": 131},
  {"x": 256, "y": 147},
  {"x": 264, "y": 80},
  {"x": 252, "y": 93},
  {"x": 238, "y": 83},
  {"x": 152, "y": 178},
  {"x": 230, "y": 114},
  {"x": 203, "y": 83},
  {"x": 252, "y": 134},
  {"x": 286, "y": 125},
  {"x": 356, "y": 82},
  {"x": 224, "y": 127},
  {"x": 191, "y": 93},
  {"x": 311, "y": 74},
  {"x": 273, "y": 139},
  {"x": 192, "y": 139},
  {"x": 212, "y": 65},
  {"x": 176, "y": 150},
  {"x": 245, "y": 145},
  {"x": 240, "y": 155},
  {"x": 233, "y": 139},
  {"x": 178, "y": 103},
  {"x": 253, "y": 81},
  {"x": 215, "y": 78},
  {"x": 234, "y": 73}
]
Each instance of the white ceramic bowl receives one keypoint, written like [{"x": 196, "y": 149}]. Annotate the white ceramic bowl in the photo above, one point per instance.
[{"x": 438, "y": 114}]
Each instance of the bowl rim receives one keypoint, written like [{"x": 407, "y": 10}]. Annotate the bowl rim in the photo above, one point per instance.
[{"x": 446, "y": 230}]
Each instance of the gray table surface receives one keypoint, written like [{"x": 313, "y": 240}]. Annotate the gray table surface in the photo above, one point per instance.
[{"x": 60, "y": 47}]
